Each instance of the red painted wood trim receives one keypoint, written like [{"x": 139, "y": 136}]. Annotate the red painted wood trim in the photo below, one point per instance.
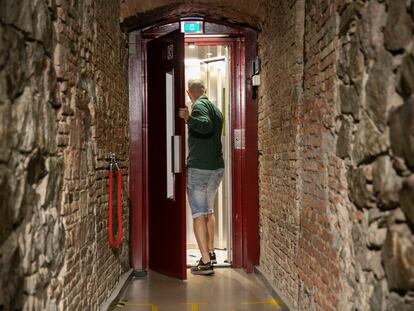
[
  {"x": 250, "y": 194},
  {"x": 237, "y": 171},
  {"x": 145, "y": 258}
]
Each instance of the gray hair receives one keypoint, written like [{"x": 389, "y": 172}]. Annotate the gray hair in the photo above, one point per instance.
[{"x": 196, "y": 86}]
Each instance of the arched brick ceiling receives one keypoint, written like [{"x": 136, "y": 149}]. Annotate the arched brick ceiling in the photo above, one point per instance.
[{"x": 140, "y": 13}]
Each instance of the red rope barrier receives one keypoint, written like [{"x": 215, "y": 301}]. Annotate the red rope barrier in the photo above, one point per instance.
[{"x": 117, "y": 242}]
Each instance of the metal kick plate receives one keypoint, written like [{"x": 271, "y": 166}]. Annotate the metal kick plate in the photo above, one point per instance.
[{"x": 239, "y": 139}]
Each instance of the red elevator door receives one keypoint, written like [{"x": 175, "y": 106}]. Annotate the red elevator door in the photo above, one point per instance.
[{"x": 166, "y": 152}]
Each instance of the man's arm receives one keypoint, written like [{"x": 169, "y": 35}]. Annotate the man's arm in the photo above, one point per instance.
[{"x": 199, "y": 120}]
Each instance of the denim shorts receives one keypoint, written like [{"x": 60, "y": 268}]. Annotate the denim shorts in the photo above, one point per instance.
[{"x": 202, "y": 187}]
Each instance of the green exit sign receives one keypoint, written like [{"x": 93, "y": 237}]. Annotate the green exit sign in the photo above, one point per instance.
[{"x": 192, "y": 26}]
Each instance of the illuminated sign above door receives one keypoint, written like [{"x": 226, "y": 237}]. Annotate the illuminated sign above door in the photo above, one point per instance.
[{"x": 190, "y": 27}]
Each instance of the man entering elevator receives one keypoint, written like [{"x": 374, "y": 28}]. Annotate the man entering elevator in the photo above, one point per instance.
[{"x": 205, "y": 169}]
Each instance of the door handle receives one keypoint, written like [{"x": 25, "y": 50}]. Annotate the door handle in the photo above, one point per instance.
[{"x": 176, "y": 143}]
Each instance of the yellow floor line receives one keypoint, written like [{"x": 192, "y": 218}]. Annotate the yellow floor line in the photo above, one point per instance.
[
  {"x": 194, "y": 305},
  {"x": 272, "y": 302}
]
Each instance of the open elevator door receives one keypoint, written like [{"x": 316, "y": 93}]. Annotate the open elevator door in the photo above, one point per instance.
[{"x": 166, "y": 152}]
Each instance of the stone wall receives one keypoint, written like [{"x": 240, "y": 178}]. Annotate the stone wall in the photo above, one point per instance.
[
  {"x": 31, "y": 229},
  {"x": 375, "y": 140},
  {"x": 64, "y": 107}
]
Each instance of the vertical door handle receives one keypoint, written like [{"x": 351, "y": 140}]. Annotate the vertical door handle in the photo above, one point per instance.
[{"x": 176, "y": 144}]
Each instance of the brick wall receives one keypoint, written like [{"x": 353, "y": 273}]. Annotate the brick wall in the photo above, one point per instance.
[
  {"x": 94, "y": 114},
  {"x": 136, "y": 14},
  {"x": 281, "y": 50},
  {"x": 64, "y": 107},
  {"x": 318, "y": 263},
  {"x": 353, "y": 175}
]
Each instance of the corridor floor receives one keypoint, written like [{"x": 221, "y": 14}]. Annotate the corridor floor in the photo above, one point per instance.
[{"x": 227, "y": 290}]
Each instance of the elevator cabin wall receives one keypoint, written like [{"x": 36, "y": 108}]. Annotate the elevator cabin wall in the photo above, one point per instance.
[{"x": 210, "y": 64}]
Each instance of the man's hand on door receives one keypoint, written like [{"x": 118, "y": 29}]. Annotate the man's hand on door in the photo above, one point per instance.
[{"x": 184, "y": 113}]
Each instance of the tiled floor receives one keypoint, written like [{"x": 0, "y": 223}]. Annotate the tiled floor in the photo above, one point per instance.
[{"x": 227, "y": 290}]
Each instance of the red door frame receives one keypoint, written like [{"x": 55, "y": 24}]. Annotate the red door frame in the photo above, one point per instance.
[{"x": 245, "y": 200}]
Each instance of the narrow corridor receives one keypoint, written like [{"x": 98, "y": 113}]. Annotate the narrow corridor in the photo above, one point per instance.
[
  {"x": 227, "y": 290},
  {"x": 317, "y": 199}
]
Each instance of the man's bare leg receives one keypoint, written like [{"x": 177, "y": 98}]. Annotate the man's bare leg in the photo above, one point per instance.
[
  {"x": 201, "y": 233},
  {"x": 211, "y": 223}
]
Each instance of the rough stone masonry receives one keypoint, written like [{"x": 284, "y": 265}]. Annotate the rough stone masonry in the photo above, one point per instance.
[{"x": 63, "y": 108}]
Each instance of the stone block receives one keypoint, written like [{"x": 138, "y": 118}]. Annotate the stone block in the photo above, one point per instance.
[
  {"x": 350, "y": 100},
  {"x": 399, "y": 28},
  {"x": 30, "y": 16},
  {"x": 359, "y": 192},
  {"x": 372, "y": 262},
  {"x": 4, "y": 47},
  {"x": 386, "y": 183},
  {"x": 6, "y": 213},
  {"x": 398, "y": 303},
  {"x": 402, "y": 132},
  {"x": 11, "y": 277},
  {"x": 54, "y": 185},
  {"x": 375, "y": 214},
  {"x": 407, "y": 198},
  {"x": 36, "y": 168},
  {"x": 31, "y": 284},
  {"x": 343, "y": 147},
  {"x": 15, "y": 69},
  {"x": 17, "y": 13},
  {"x": 356, "y": 61},
  {"x": 359, "y": 239},
  {"x": 376, "y": 236},
  {"x": 5, "y": 132},
  {"x": 36, "y": 59},
  {"x": 24, "y": 118},
  {"x": 378, "y": 300},
  {"x": 370, "y": 27},
  {"x": 42, "y": 24},
  {"x": 349, "y": 15},
  {"x": 369, "y": 141},
  {"x": 377, "y": 89},
  {"x": 406, "y": 85},
  {"x": 50, "y": 85},
  {"x": 400, "y": 167},
  {"x": 397, "y": 255}
]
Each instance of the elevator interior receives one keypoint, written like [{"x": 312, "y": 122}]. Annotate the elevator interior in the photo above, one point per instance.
[{"x": 210, "y": 63}]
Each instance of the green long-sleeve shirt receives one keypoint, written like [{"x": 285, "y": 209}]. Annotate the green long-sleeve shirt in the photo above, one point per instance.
[{"x": 205, "y": 124}]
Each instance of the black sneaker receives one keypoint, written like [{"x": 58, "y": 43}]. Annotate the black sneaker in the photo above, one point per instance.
[
  {"x": 213, "y": 258},
  {"x": 202, "y": 268}
]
